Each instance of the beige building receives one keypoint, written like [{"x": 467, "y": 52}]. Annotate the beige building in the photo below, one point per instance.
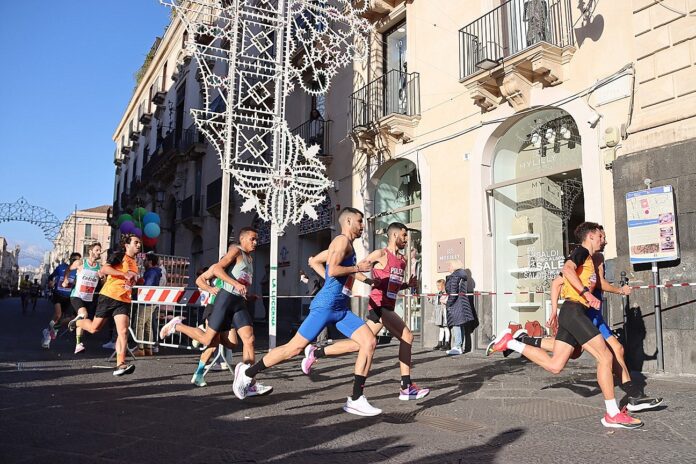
[
  {"x": 79, "y": 230},
  {"x": 506, "y": 124},
  {"x": 9, "y": 267}
]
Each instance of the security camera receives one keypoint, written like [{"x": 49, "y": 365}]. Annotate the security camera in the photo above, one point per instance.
[{"x": 594, "y": 119}]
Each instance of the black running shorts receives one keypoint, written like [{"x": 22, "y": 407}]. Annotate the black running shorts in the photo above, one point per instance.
[
  {"x": 62, "y": 300},
  {"x": 229, "y": 311},
  {"x": 574, "y": 327},
  {"x": 375, "y": 314},
  {"x": 78, "y": 303},
  {"x": 108, "y": 307}
]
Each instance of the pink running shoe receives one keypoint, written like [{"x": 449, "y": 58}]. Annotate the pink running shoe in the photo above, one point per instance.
[
  {"x": 621, "y": 421},
  {"x": 500, "y": 342},
  {"x": 170, "y": 327},
  {"x": 309, "y": 360},
  {"x": 413, "y": 392}
]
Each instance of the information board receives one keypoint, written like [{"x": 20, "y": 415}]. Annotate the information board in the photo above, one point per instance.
[{"x": 652, "y": 227}]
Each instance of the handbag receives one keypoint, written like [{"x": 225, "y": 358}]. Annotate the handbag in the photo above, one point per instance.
[
  {"x": 514, "y": 327},
  {"x": 534, "y": 329}
]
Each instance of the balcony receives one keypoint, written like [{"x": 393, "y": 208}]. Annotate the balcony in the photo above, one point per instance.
[
  {"x": 389, "y": 106},
  {"x": 145, "y": 113},
  {"x": 505, "y": 52},
  {"x": 378, "y": 9},
  {"x": 192, "y": 143},
  {"x": 191, "y": 213},
  {"x": 134, "y": 136},
  {"x": 125, "y": 150},
  {"x": 158, "y": 92},
  {"x": 316, "y": 132}
]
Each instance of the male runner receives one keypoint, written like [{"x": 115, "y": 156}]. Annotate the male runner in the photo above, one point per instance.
[
  {"x": 34, "y": 291},
  {"x": 635, "y": 399},
  {"x": 82, "y": 294},
  {"x": 388, "y": 276},
  {"x": 575, "y": 328},
  {"x": 331, "y": 305},
  {"x": 236, "y": 271},
  {"x": 24, "y": 289},
  {"x": 121, "y": 270},
  {"x": 60, "y": 297}
]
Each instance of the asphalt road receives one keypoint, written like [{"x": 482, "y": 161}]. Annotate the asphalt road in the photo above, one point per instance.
[{"x": 59, "y": 407}]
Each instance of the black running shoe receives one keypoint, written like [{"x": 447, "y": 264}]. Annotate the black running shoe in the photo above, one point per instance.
[{"x": 642, "y": 404}]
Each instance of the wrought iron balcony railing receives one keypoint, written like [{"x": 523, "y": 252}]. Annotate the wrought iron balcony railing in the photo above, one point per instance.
[
  {"x": 315, "y": 132},
  {"x": 511, "y": 28},
  {"x": 395, "y": 92}
]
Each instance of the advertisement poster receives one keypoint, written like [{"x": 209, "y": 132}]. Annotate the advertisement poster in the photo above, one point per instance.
[{"x": 652, "y": 228}]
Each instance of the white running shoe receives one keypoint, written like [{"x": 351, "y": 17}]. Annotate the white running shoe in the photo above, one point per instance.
[
  {"x": 170, "y": 327},
  {"x": 258, "y": 389},
  {"x": 195, "y": 343},
  {"x": 46, "y": 341},
  {"x": 241, "y": 381},
  {"x": 109, "y": 345},
  {"x": 456, "y": 351},
  {"x": 124, "y": 369},
  {"x": 79, "y": 348},
  {"x": 198, "y": 380},
  {"x": 361, "y": 407}
]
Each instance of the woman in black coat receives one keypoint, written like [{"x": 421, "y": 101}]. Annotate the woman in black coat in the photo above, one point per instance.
[{"x": 460, "y": 315}]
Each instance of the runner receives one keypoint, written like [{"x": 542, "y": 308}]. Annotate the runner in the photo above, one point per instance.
[
  {"x": 388, "y": 269},
  {"x": 82, "y": 295},
  {"x": 575, "y": 328},
  {"x": 635, "y": 399},
  {"x": 115, "y": 299},
  {"x": 331, "y": 305},
  {"x": 34, "y": 294},
  {"x": 236, "y": 270},
  {"x": 24, "y": 290},
  {"x": 60, "y": 297}
]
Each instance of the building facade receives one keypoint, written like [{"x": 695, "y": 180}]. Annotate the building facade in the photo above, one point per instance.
[
  {"x": 493, "y": 128},
  {"x": 9, "y": 268},
  {"x": 79, "y": 230}
]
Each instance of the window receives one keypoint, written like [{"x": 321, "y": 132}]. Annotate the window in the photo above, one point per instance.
[{"x": 88, "y": 230}]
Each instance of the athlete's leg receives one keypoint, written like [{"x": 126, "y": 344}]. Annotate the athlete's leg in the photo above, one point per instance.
[
  {"x": 246, "y": 335},
  {"x": 122, "y": 322},
  {"x": 397, "y": 326},
  {"x": 554, "y": 363},
  {"x": 91, "y": 325},
  {"x": 348, "y": 345},
  {"x": 618, "y": 351},
  {"x": 600, "y": 351},
  {"x": 204, "y": 337}
]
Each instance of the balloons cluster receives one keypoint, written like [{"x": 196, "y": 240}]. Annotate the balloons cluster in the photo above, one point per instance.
[{"x": 142, "y": 223}]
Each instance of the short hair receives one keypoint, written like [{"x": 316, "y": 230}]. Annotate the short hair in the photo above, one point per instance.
[
  {"x": 152, "y": 258},
  {"x": 348, "y": 210},
  {"x": 440, "y": 281},
  {"x": 585, "y": 228},
  {"x": 126, "y": 239},
  {"x": 396, "y": 226},
  {"x": 75, "y": 255},
  {"x": 93, "y": 245},
  {"x": 246, "y": 230}
]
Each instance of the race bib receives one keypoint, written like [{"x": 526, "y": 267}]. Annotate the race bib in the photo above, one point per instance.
[
  {"x": 394, "y": 285},
  {"x": 348, "y": 286}
]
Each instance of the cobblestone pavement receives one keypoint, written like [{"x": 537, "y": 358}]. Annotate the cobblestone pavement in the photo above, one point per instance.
[{"x": 58, "y": 407}]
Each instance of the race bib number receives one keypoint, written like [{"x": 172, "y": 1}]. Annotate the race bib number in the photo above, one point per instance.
[
  {"x": 394, "y": 285},
  {"x": 348, "y": 286}
]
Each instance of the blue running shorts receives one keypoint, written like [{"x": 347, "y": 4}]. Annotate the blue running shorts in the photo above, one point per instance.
[
  {"x": 595, "y": 316},
  {"x": 346, "y": 322}
]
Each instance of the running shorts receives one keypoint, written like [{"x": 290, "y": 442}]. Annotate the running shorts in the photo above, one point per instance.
[
  {"x": 229, "y": 311},
  {"x": 597, "y": 319},
  {"x": 574, "y": 327},
  {"x": 375, "y": 314},
  {"x": 78, "y": 303},
  {"x": 346, "y": 322},
  {"x": 62, "y": 300},
  {"x": 108, "y": 307}
]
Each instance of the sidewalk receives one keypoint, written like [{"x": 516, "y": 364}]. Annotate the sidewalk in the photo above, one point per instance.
[{"x": 58, "y": 408}]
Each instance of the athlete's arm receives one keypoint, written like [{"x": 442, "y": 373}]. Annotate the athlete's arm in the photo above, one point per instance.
[
  {"x": 338, "y": 250},
  {"x": 376, "y": 257},
  {"x": 569, "y": 273},
  {"x": 607, "y": 287},
  {"x": 228, "y": 260},
  {"x": 556, "y": 286},
  {"x": 74, "y": 266},
  {"x": 202, "y": 281},
  {"x": 317, "y": 262}
]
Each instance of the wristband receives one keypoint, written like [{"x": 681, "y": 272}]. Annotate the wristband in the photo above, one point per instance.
[{"x": 584, "y": 290}]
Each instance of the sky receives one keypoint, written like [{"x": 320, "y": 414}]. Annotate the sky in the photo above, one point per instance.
[{"x": 65, "y": 80}]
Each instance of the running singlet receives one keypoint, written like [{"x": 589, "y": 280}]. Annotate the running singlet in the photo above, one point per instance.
[
  {"x": 391, "y": 279},
  {"x": 336, "y": 292},
  {"x": 242, "y": 272},
  {"x": 114, "y": 287},
  {"x": 86, "y": 282},
  {"x": 585, "y": 271},
  {"x": 57, "y": 275}
]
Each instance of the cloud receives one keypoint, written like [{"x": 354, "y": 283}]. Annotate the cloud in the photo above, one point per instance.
[{"x": 30, "y": 254}]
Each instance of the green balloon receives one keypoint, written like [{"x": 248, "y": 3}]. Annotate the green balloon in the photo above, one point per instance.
[
  {"x": 123, "y": 218},
  {"x": 138, "y": 224},
  {"x": 139, "y": 213}
]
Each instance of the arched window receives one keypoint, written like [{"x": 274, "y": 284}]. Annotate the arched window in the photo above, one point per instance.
[{"x": 397, "y": 199}]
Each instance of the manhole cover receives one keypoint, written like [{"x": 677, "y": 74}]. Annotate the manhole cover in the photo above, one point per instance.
[
  {"x": 450, "y": 424},
  {"x": 550, "y": 410}
]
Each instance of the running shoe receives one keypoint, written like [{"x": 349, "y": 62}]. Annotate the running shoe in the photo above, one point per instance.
[
  {"x": 642, "y": 403},
  {"x": 79, "y": 348},
  {"x": 109, "y": 345},
  {"x": 124, "y": 369},
  {"x": 46, "y": 341},
  {"x": 223, "y": 366},
  {"x": 309, "y": 359},
  {"x": 621, "y": 421},
  {"x": 413, "y": 392},
  {"x": 500, "y": 342},
  {"x": 258, "y": 389},
  {"x": 195, "y": 343},
  {"x": 72, "y": 325},
  {"x": 519, "y": 335},
  {"x": 360, "y": 407},
  {"x": 52, "y": 332},
  {"x": 456, "y": 351},
  {"x": 170, "y": 327},
  {"x": 198, "y": 380},
  {"x": 241, "y": 381}
]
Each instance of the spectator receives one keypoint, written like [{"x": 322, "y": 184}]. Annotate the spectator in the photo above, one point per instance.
[
  {"x": 440, "y": 317},
  {"x": 460, "y": 316},
  {"x": 151, "y": 278}
]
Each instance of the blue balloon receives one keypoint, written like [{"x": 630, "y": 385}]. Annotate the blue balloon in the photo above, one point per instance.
[
  {"x": 151, "y": 218},
  {"x": 151, "y": 230}
]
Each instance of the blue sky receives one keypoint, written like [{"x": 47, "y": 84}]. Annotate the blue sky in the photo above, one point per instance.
[{"x": 66, "y": 78}]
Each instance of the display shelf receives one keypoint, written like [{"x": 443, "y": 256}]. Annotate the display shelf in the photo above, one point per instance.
[
  {"x": 528, "y": 305},
  {"x": 522, "y": 237},
  {"x": 522, "y": 270}
]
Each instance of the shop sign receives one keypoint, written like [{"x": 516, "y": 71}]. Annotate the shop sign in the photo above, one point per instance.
[
  {"x": 447, "y": 251},
  {"x": 652, "y": 227}
]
